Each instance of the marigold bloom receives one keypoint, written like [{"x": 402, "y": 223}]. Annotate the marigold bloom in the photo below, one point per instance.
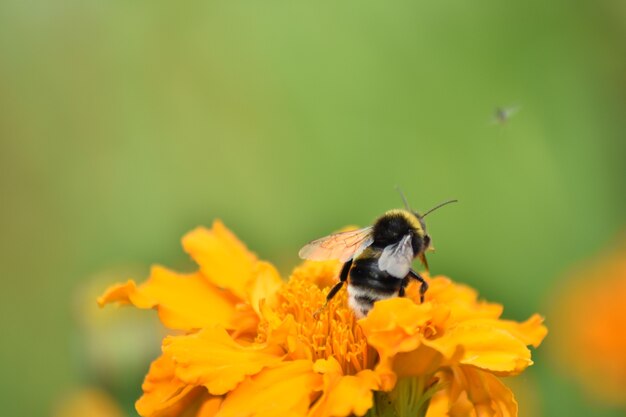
[
  {"x": 253, "y": 345},
  {"x": 591, "y": 315}
]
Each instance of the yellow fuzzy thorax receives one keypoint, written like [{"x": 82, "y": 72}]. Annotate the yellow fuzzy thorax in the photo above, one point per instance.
[{"x": 410, "y": 217}]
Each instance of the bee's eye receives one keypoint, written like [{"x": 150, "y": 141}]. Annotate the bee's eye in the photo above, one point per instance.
[{"x": 426, "y": 240}]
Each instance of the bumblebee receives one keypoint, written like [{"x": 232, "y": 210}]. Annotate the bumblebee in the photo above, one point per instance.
[{"x": 376, "y": 259}]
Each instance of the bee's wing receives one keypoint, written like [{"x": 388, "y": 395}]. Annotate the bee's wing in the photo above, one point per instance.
[
  {"x": 396, "y": 259},
  {"x": 503, "y": 114},
  {"x": 342, "y": 246}
]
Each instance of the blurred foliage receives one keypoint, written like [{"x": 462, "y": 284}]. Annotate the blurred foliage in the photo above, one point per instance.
[{"x": 125, "y": 124}]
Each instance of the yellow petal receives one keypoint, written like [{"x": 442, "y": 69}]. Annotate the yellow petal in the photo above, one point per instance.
[
  {"x": 489, "y": 396},
  {"x": 531, "y": 332},
  {"x": 485, "y": 346},
  {"x": 439, "y": 405},
  {"x": 394, "y": 325},
  {"x": 421, "y": 361},
  {"x": 266, "y": 281},
  {"x": 120, "y": 293},
  {"x": 470, "y": 392},
  {"x": 328, "y": 366},
  {"x": 213, "y": 359},
  {"x": 321, "y": 273},
  {"x": 460, "y": 299},
  {"x": 344, "y": 394},
  {"x": 352, "y": 394},
  {"x": 223, "y": 259},
  {"x": 183, "y": 301},
  {"x": 284, "y": 390},
  {"x": 210, "y": 407},
  {"x": 162, "y": 391}
]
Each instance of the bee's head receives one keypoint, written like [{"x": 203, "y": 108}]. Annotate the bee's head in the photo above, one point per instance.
[
  {"x": 421, "y": 231},
  {"x": 426, "y": 241},
  {"x": 420, "y": 218},
  {"x": 422, "y": 223}
]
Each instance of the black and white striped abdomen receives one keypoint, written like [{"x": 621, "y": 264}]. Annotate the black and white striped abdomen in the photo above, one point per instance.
[
  {"x": 368, "y": 284},
  {"x": 361, "y": 300}
]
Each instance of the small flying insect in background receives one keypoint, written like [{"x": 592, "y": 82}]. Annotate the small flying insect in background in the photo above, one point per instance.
[
  {"x": 377, "y": 259},
  {"x": 502, "y": 115}
]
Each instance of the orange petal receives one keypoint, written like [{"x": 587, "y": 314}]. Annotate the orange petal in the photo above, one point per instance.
[
  {"x": 531, "y": 332},
  {"x": 213, "y": 359},
  {"x": 210, "y": 407},
  {"x": 394, "y": 325},
  {"x": 265, "y": 283},
  {"x": 284, "y": 390},
  {"x": 489, "y": 396},
  {"x": 184, "y": 301},
  {"x": 344, "y": 394},
  {"x": 421, "y": 361},
  {"x": 471, "y": 392},
  {"x": 460, "y": 299},
  {"x": 442, "y": 406},
  {"x": 485, "y": 346},
  {"x": 321, "y": 273},
  {"x": 222, "y": 258},
  {"x": 439, "y": 405},
  {"x": 328, "y": 366},
  {"x": 120, "y": 293},
  {"x": 162, "y": 391}
]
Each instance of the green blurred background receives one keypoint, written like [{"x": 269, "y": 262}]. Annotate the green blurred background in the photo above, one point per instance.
[{"x": 125, "y": 124}]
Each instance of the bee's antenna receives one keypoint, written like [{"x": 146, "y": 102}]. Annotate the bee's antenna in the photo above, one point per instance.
[
  {"x": 406, "y": 203},
  {"x": 439, "y": 206}
]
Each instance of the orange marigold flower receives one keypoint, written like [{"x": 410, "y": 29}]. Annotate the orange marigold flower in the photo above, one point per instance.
[
  {"x": 249, "y": 344},
  {"x": 590, "y": 310}
]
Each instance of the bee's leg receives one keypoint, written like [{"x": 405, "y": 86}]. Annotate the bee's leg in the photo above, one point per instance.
[
  {"x": 423, "y": 287},
  {"x": 333, "y": 291},
  {"x": 343, "y": 276},
  {"x": 402, "y": 291}
]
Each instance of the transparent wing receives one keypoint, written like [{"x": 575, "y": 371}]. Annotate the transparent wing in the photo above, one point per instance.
[
  {"x": 503, "y": 114},
  {"x": 342, "y": 246},
  {"x": 396, "y": 259}
]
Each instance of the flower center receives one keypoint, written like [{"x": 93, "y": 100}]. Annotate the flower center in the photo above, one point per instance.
[{"x": 317, "y": 331}]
